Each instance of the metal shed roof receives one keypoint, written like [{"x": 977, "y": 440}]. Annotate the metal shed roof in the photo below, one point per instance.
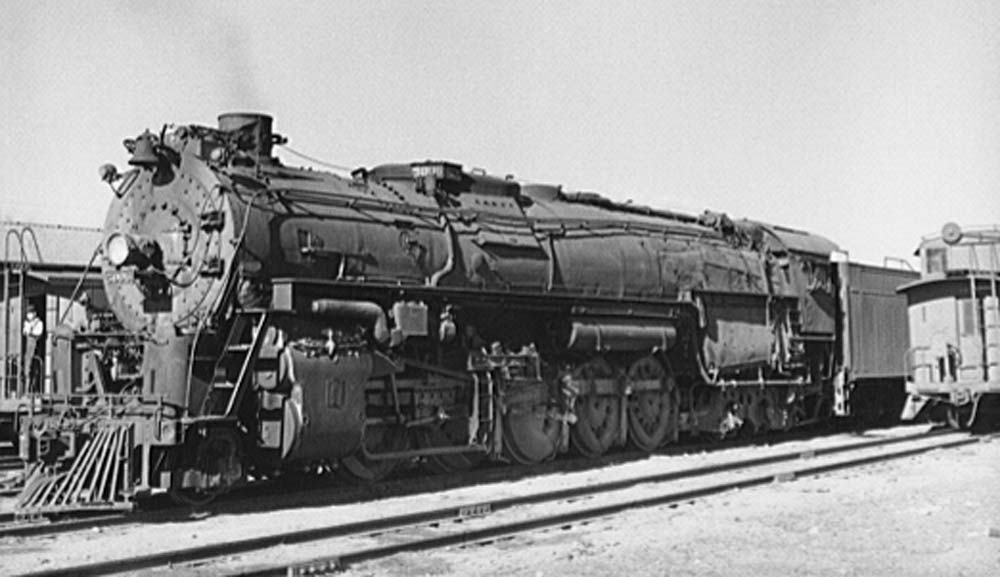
[{"x": 57, "y": 245}]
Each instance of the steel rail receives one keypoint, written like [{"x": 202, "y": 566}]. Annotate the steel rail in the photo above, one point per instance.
[
  {"x": 218, "y": 550},
  {"x": 12, "y": 525},
  {"x": 342, "y": 561}
]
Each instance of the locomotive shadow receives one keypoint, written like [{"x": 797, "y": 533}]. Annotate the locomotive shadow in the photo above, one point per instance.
[{"x": 299, "y": 490}]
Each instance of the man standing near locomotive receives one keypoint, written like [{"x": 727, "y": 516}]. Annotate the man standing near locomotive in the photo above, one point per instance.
[{"x": 32, "y": 330}]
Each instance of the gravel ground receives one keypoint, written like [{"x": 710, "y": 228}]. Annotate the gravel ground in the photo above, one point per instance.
[
  {"x": 912, "y": 517},
  {"x": 935, "y": 514}
]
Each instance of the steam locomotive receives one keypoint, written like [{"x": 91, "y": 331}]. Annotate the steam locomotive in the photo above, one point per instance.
[{"x": 272, "y": 318}]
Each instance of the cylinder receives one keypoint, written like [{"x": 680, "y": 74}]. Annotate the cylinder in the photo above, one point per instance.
[{"x": 324, "y": 416}]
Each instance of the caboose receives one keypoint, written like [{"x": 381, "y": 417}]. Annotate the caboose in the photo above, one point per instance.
[
  {"x": 276, "y": 318},
  {"x": 954, "y": 358}
]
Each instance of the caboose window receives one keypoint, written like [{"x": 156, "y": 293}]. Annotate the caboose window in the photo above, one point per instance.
[
  {"x": 934, "y": 260},
  {"x": 972, "y": 316}
]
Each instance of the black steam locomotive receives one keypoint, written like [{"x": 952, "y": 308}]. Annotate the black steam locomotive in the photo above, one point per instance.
[{"x": 271, "y": 318}]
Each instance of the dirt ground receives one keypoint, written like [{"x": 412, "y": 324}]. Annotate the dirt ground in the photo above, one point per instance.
[{"x": 935, "y": 514}]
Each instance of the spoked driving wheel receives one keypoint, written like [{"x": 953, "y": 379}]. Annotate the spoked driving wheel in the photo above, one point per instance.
[
  {"x": 530, "y": 434},
  {"x": 452, "y": 433},
  {"x": 359, "y": 467},
  {"x": 598, "y": 416},
  {"x": 652, "y": 406}
]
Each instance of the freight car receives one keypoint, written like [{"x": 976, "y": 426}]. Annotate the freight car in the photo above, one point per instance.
[
  {"x": 277, "y": 317},
  {"x": 954, "y": 359}
]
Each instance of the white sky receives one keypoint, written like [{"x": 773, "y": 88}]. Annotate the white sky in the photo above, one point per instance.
[{"x": 869, "y": 122}]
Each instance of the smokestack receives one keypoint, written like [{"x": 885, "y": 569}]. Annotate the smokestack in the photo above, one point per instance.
[{"x": 256, "y": 136}]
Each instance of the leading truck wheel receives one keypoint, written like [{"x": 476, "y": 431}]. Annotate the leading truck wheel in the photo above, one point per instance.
[
  {"x": 362, "y": 468},
  {"x": 211, "y": 463}
]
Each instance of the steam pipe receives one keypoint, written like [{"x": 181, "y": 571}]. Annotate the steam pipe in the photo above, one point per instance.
[{"x": 449, "y": 264}]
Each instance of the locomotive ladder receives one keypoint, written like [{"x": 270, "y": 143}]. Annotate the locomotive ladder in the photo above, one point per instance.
[{"x": 241, "y": 349}]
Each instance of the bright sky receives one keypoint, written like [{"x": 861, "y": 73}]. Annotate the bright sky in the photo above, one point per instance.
[{"x": 869, "y": 122}]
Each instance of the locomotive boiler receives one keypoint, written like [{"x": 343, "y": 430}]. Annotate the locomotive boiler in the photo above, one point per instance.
[{"x": 276, "y": 318}]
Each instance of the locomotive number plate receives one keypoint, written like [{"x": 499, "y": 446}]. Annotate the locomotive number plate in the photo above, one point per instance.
[{"x": 124, "y": 276}]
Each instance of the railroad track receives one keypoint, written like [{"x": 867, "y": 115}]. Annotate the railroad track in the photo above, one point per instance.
[
  {"x": 282, "y": 495},
  {"x": 335, "y": 546}
]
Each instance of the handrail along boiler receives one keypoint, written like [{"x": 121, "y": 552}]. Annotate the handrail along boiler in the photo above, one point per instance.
[{"x": 277, "y": 317}]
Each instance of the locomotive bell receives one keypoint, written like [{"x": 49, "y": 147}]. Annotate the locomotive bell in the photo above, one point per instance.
[{"x": 144, "y": 154}]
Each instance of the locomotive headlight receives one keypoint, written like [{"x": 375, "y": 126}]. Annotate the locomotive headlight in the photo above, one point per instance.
[
  {"x": 123, "y": 249},
  {"x": 118, "y": 249}
]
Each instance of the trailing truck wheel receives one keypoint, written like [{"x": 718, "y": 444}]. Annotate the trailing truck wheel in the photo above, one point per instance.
[
  {"x": 652, "y": 413},
  {"x": 361, "y": 468}
]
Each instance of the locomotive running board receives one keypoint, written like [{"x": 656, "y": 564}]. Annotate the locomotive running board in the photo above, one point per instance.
[{"x": 97, "y": 479}]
